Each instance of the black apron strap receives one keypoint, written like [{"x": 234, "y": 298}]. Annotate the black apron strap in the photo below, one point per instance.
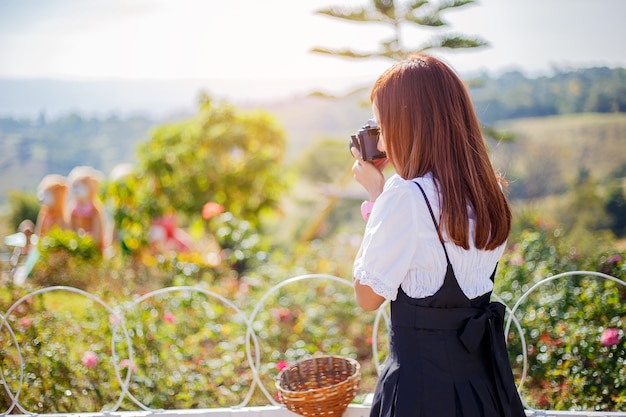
[{"x": 432, "y": 215}]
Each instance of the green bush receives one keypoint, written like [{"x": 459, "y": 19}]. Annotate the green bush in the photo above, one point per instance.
[
  {"x": 67, "y": 258},
  {"x": 573, "y": 326},
  {"x": 64, "y": 355},
  {"x": 22, "y": 207},
  {"x": 189, "y": 347}
]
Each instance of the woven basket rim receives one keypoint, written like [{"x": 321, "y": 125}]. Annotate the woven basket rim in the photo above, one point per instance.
[{"x": 349, "y": 379}]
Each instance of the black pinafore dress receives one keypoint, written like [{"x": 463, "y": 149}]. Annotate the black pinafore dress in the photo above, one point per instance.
[{"x": 447, "y": 356}]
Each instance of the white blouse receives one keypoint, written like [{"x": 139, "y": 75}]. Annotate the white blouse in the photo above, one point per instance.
[{"x": 401, "y": 247}]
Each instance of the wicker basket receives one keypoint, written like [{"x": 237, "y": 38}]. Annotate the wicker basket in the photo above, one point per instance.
[{"x": 320, "y": 386}]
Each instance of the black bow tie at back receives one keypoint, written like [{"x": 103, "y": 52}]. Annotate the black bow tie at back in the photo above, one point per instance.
[
  {"x": 473, "y": 325},
  {"x": 491, "y": 320}
]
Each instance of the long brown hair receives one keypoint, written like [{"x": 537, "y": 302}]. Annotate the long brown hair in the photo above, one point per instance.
[{"x": 428, "y": 124}]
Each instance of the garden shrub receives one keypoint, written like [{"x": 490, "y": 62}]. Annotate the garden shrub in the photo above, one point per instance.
[
  {"x": 189, "y": 347},
  {"x": 573, "y": 326},
  {"x": 67, "y": 258},
  {"x": 64, "y": 352}
]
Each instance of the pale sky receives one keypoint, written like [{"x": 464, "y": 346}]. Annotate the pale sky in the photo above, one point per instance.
[{"x": 270, "y": 39}]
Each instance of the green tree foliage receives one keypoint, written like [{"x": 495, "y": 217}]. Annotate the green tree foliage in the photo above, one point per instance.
[
  {"x": 221, "y": 155},
  {"x": 325, "y": 161},
  {"x": 132, "y": 209},
  {"x": 583, "y": 213},
  {"x": 615, "y": 207},
  {"x": 23, "y": 206},
  {"x": 396, "y": 15},
  {"x": 586, "y": 90}
]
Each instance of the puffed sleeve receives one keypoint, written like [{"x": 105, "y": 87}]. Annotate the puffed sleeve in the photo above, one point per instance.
[{"x": 389, "y": 242}]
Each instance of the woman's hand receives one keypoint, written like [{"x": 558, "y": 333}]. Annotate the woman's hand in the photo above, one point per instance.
[
  {"x": 381, "y": 163},
  {"x": 369, "y": 174}
]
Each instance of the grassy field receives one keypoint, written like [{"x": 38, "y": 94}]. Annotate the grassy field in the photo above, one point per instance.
[{"x": 551, "y": 153}]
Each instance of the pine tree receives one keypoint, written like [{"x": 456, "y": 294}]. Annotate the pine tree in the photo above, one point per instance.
[{"x": 396, "y": 15}]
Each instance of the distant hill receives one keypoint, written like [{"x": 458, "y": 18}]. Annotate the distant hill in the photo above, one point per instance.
[
  {"x": 514, "y": 96},
  {"x": 30, "y": 149},
  {"x": 509, "y": 96},
  {"x": 28, "y": 98},
  {"x": 40, "y": 143}
]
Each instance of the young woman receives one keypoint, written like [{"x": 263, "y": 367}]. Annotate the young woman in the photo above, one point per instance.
[{"x": 436, "y": 231}]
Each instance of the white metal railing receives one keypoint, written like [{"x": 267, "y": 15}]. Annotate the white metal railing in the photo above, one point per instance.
[{"x": 273, "y": 409}]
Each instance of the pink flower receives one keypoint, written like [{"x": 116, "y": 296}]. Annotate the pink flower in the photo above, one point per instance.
[
  {"x": 211, "y": 209},
  {"x": 609, "y": 337},
  {"x": 244, "y": 288},
  {"x": 280, "y": 365},
  {"x": 614, "y": 259},
  {"x": 281, "y": 314},
  {"x": 25, "y": 322},
  {"x": 113, "y": 319},
  {"x": 90, "y": 359},
  {"x": 168, "y": 317},
  {"x": 126, "y": 363},
  {"x": 516, "y": 260}
]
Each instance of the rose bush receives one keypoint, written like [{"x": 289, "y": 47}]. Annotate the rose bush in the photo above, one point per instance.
[
  {"x": 573, "y": 326},
  {"x": 189, "y": 348}
]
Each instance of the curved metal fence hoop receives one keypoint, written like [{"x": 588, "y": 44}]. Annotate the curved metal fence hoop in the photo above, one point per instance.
[
  {"x": 124, "y": 387},
  {"x": 523, "y": 298},
  {"x": 555, "y": 277},
  {"x": 3, "y": 382},
  {"x": 256, "y": 310},
  {"x": 252, "y": 345},
  {"x": 209, "y": 294}
]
